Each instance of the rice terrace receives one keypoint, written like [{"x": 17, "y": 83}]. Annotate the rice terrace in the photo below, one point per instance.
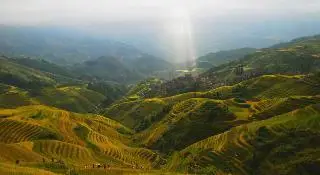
[{"x": 159, "y": 87}]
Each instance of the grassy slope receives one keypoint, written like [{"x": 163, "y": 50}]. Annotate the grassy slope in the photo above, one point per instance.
[
  {"x": 300, "y": 56},
  {"x": 18, "y": 170},
  {"x": 72, "y": 98},
  {"x": 187, "y": 118},
  {"x": 21, "y": 85},
  {"x": 33, "y": 133},
  {"x": 43, "y": 65},
  {"x": 285, "y": 144},
  {"x": 21, "y": 76},
  {"x": 167, "y": 124},
  {"x": 258, "y": 89}
]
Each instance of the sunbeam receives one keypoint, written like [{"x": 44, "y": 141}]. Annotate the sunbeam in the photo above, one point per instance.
[{"x": 181, "y": 34}]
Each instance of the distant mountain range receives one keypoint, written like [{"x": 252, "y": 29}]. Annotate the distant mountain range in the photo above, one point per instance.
[
  {"x": 61, "y": 46},
  {"x": 83, "y": 55}
]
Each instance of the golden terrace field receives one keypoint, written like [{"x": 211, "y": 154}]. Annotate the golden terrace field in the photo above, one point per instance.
[{"x": 200, "y": 132}]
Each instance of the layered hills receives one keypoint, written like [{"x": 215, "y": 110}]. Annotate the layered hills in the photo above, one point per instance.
[{"x": 256, "y": 115}]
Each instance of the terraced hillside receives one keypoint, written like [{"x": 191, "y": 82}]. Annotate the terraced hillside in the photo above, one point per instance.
[
  {"x": 221, "y": 131},
  {"x": 36, "y": 134},
  {"x": 178, "y": 121},
  {"x": 258, "y": 115},
  {"x": 74, "y": 98},
  {"x": 266, "y": 87},
  {"x": 284, "y": 144}
]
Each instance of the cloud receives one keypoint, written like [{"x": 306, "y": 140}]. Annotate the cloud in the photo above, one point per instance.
[{"x": 84, "y": 11}]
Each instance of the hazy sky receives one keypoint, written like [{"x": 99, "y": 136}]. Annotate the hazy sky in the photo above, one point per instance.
[
  {"x": 179, "y": 29},
  {"x": 91, "y": 11}
]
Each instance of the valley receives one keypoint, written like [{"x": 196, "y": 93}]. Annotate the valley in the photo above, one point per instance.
[{"x": 248, "y": 111}]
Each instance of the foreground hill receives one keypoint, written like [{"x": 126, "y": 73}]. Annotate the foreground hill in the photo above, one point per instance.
[
  {"x": 262, "y": 125},
  {"x": 230, "y": 129},
  {"x": 225, "y": 130},
  {"x": 172, "y": 123},
  {"x": 284, "y": 144},
  {"x": 37, "y": 134}
]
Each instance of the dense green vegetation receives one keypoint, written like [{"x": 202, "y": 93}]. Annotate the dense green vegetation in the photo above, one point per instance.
[
  {"x": 26, "y": 81},
  {"x": 298, "y": 56},
  {"x": 256, "y": 115},
  {"x": 284, "y": 144},
  {"x": 120, "y": 70}
]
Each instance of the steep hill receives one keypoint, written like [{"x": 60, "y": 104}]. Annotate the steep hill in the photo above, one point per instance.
[
  {"x": 22, "y": 76},
  {"x": 36, "y": 134},
  {"x": 285, "y": 144},
  {"x": 172, "y": 123},
  {"x": 26, "y": 81},
  {"x": 42, "y": 65},
  {"x": 298, "y": 56}
]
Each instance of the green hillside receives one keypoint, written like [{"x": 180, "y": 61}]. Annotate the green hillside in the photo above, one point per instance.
[
  {"x": 42, "y": 65},
  {"x": 299, "y": 57},
  {"x": 26, "y": 81},
  {"x": 120, "y": 70},
  {"x": 256, "y": 115},
  {"x": 284, "y": 144},
  {"x": 172, "y": 123},
  {"x": 22, "y": 76},
  {"x": 37, "y": 134}
]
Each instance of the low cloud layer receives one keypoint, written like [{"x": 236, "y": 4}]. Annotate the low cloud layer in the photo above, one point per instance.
[{"x": 93, "y": 11}]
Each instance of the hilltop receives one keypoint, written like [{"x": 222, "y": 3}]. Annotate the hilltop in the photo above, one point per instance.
[{"x": 26, "y": 81}]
